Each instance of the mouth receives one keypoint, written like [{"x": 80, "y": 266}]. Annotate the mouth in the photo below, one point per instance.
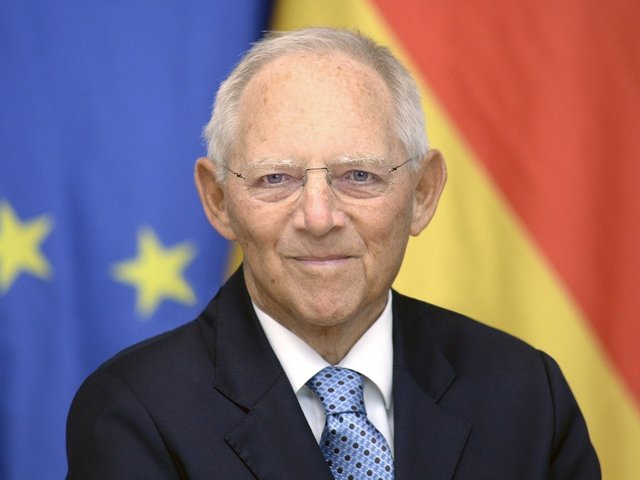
[{"x": 323, "y": 261}]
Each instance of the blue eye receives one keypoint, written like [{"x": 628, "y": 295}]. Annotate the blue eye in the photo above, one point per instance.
[
  {"x": 274, "y": 178},
  {"x": 360, "y": 176}
]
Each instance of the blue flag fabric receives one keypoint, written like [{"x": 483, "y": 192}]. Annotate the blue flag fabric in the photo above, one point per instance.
[{"x": 102, "y": 238}]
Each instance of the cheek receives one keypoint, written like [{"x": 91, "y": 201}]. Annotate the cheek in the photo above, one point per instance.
[
  {"x": 257, "y": 228},
  {"x": 388, "y": 236}
]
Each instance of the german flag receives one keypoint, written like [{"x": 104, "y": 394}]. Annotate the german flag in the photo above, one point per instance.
[{"x": 536, "y": 107}]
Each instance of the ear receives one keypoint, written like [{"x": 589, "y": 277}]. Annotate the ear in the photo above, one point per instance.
[
  {"x": 431, "y": 178},
  {"x": 212, "y": 196}
]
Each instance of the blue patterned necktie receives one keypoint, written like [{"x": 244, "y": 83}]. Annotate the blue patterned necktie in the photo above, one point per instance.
[{"x": 352, "y": 446}]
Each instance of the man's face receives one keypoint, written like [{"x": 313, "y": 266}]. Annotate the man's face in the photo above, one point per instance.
[{"x": 316, "y": 261}]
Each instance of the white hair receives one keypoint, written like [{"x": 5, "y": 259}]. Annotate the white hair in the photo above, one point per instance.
[{"x": 220, "y": 134}]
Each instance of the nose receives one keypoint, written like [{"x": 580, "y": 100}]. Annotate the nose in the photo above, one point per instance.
[{"x": 317, "y": 210}]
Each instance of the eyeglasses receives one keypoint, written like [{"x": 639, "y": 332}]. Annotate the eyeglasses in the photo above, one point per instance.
[{"x": 278, "y": 181}]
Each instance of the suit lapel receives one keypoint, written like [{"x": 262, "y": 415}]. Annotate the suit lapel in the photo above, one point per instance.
[
  {"x": 428, "y": 440},
  {"x": 277, "y": 443},
  {"x": 273, "y": 439}
]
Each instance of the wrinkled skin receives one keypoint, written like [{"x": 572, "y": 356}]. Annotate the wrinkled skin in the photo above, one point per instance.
[{"x": 318, "y": 265}]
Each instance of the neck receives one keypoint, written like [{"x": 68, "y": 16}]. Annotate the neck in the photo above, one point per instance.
[{"x": 334, "y": 342}]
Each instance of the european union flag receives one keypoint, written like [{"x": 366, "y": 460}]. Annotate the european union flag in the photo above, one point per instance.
[{"x": 102, "y": 238}]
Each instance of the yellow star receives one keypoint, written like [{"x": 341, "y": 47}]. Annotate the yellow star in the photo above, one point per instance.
[
  {"x": 20, "y": 246},
  {"x": 157, "y": 273}
]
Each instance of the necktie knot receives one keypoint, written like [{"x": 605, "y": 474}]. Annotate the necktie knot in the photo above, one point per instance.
[{"x": 340, "y": 390}]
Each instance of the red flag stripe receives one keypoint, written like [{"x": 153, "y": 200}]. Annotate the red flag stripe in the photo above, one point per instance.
[{"x": 546, "y": 93}]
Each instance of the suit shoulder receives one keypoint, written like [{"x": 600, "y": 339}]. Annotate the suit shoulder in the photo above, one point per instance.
[
  {"x": 461, "y": 338},
  {"x": 171, "y": 358},
  {"x": 514, "y": 395}
]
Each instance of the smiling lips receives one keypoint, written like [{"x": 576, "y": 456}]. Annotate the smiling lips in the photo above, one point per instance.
[{"x": 321, "y": 261}]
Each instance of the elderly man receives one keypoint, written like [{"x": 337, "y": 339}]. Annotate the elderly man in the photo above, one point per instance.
[{"x": 306, "y": 365}]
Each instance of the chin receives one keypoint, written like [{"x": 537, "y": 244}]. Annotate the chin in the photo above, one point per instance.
[{"x": 329, "y": 313}]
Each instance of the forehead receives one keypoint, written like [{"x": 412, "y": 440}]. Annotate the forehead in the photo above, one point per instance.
[{"x": 300, "y": 104}]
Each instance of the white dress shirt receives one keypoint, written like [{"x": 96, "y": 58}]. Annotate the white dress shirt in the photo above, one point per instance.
[{"x": 371, "y": 356}]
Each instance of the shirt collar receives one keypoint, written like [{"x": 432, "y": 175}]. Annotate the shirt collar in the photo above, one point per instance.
[{"x": 372, "y": 354}]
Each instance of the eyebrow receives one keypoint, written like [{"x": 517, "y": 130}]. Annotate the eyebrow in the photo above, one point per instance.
[
  {"x": 346, "y": 159},
  {"x": 273, "y": 162},
  {"x": 360, "y": 159}
]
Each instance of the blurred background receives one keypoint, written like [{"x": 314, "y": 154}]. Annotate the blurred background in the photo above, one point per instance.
[{"x": 535, "y": 105}]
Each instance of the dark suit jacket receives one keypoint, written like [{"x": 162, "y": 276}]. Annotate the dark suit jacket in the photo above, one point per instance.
[{"x": 210, "y": 400}]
